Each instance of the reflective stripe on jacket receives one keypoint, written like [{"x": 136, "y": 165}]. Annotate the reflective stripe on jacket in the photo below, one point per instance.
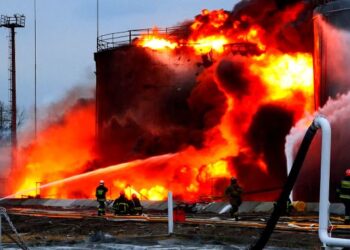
[{"x": 345, "y": 188}]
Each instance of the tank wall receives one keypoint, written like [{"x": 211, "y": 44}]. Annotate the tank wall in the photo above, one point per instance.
[
  {"x": 138, "y": 98},
  {"x": 331, "y": 56},
  {"x": 331, "y": 78},
  {"x": 148, "y": 106}
]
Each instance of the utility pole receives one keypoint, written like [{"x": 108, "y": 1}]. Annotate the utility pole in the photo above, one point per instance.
[
  {"x": 35, "y": 70},
  {"x": 12, "y": 22},
  {"x": 97, "y": 22}
]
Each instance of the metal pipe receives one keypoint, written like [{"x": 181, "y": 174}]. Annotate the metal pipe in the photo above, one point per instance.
[
  {"x": 13, "y": 90},
  {"x": 97, "y": 23},
  {"x": 13, "y": 98},
  {"x": 0, "y": 232},
  {"x": 321, "y": 122},
  {"x": 170, "y": 213}
]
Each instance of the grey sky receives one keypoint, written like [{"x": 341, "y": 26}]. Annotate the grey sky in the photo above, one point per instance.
[{"x": 66, "y": 39}]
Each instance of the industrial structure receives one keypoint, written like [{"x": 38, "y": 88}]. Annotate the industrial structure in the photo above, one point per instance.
[
  {"x": 135, "y": 85},
  {"x": 121, "y": 77},
  {"x": 115, "y": 57},
  {"x": 331, "y": 81},
  {"x": 13, "y": 22},
  {"x": 331, "y": 25},
  {"x": 132, "y": 79}
]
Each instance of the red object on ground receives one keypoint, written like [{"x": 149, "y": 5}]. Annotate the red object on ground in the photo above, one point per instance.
[{"x": 179, "y": 215}]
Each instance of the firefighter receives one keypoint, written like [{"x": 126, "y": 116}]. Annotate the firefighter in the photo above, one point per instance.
[
  {"x": 233, "y": 194},
  {"x": 135, "y": 206},
  {"x": 101, "y": 191},
  {"x": 344, "y": 195},
  {"x": 121, "y": 205}
]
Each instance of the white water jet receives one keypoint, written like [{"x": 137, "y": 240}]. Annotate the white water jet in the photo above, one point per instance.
[{"x": 95, "y": 173}]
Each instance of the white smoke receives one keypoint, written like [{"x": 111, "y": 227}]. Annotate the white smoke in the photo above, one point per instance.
[
  {"x": 336, "y": 58},
  {"x": 337, "y": 112},
  {"x": 294, "y": 139}
]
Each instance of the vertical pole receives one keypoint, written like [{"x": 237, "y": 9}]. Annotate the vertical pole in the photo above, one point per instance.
[
  {"x": 129, "y": 36},
  {"x": 13, "y": 100},
  {"x": 97, "y": 88},
  {"x": 0, "y": 232},
  {"x": 1, "y": 117},
  {"x": 37, "y": 189},
  {"x": 170, "y": 213},
  {"x": 97, "y": 22},
  {"x": 35, "y": 108}
]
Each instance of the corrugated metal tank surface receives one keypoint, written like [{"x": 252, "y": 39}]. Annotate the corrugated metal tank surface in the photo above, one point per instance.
[{"x": 331, "y": 56}]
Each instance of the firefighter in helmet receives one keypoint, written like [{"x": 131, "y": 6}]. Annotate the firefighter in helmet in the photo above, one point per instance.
[
  {"x": 344, "y": 195},
  {"x": 233, "y": 194},
  {"x": 135, "y": 205},
  {"x": 121, "y": 205},
  {"x": 101, "y": 191}
]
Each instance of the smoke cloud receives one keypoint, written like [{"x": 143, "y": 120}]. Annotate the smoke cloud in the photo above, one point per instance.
[{"x": 337, "y": 113}]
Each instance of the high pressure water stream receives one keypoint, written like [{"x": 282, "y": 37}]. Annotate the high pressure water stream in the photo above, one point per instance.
[{"x": 97, "y": 172}]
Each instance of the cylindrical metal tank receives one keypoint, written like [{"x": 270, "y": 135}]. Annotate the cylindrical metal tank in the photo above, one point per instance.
[
  {"x": 139, "y": 99},
  {"x": 332, "y": 78},
  {"x": 331, "y": 46}
]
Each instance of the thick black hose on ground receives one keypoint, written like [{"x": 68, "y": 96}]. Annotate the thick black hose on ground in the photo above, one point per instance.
[{"x": 282, "y": 200}]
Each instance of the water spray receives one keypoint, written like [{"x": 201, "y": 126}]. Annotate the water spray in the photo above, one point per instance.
[{"x": 94, "y": 173}]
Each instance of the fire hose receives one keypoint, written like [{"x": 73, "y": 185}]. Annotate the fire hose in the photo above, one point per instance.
[
  {"x": 18, "y": 241},
  {"x": 283, "y": 198}
]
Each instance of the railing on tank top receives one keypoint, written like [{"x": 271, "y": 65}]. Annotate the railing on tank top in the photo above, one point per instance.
[{"x": 117, "y": 39}]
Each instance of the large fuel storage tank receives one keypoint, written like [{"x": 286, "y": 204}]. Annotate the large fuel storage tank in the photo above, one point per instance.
[
  {"x": 331, "y": 53},
  {"x": 141, "y": 103},
  {"x": 332, "y": 78}
]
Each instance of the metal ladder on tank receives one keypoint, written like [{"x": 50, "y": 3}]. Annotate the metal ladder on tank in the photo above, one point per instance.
[{"x": 18, "y": 241}]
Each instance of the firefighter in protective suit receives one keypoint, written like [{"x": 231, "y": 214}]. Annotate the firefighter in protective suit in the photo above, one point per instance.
[
  {"x": 233, "y": 194},
  {"x": 101, "y": 191},
  {"x": 344, "y": 195},
  {"x": 121, "y": 205},
  {"x": 135, "y": 205}
]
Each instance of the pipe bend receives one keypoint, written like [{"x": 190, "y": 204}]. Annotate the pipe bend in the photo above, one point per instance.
[
  {"x": 330, "y": 241},
  {"x": 321, "y": 122},
  {"x": 323, "y": 235}
]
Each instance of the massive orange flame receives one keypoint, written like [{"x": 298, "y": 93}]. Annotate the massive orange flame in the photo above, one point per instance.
[
  {"x": 61, "y": 150},
  {"x": 285, "y": 80}
]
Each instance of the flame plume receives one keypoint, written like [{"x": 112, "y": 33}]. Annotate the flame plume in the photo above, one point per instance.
[{"x": 253, "y": 81}]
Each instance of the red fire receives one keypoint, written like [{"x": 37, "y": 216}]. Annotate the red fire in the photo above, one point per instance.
[{"x": 242, "y": 88}]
